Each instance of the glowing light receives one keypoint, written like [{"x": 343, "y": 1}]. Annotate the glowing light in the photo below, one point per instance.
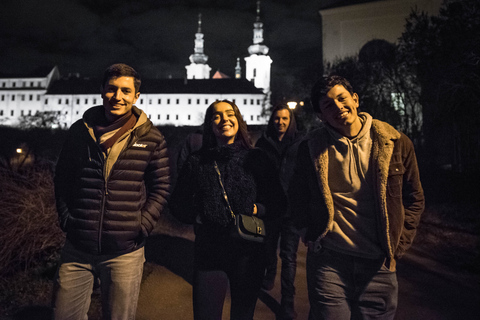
[
  {"x": 19, "y": 150},
  {"x": 292, "y": 104}
]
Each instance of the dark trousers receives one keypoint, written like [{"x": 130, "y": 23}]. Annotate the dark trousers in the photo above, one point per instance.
[
  {"x": 289, "y": 239},
  {"x": 220, "y": 263}
]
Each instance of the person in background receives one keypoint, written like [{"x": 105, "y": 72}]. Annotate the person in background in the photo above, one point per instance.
[
  {"x": 356, "y": 189},
  {"x": 252, "y": 188},
  {"x": 111, "y": 185},
  {"x": 280, "y": 141}
]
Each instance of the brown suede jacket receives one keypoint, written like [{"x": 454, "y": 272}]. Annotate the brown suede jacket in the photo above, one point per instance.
[{"x": 398, "y": 191}]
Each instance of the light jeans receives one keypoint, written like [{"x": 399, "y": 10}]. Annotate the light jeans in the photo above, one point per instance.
[
  {"x": 344, "y": 287},
  {"x": 120, "y": 278}
]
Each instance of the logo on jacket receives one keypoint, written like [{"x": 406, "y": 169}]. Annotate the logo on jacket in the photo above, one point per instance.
[{"x": 140, "y": 145}]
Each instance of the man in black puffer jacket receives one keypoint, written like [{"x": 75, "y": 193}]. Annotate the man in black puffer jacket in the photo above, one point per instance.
[{"x": 111, "y": 185}]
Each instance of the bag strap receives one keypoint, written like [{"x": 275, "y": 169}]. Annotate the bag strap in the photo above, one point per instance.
[{"x": 223, "y": 188}]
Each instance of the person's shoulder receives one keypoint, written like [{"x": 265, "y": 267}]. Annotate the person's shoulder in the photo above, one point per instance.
[{"x": 385, "y": 129}]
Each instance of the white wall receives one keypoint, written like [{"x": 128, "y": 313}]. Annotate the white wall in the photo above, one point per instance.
[{"x": 347, "y": 29}]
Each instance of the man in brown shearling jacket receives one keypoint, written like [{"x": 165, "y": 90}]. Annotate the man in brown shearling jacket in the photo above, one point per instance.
[{"x": 356, "y": 189}]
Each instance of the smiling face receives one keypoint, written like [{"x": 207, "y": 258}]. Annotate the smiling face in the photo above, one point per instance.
[
  {"x": 118, "y": 96},
  {"x": 281, "y": 121},
  {"x": 224, "y": 123},
  {"x": 339, "y": 109}
]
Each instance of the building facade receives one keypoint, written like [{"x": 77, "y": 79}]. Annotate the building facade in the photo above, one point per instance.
[
  {"x": 178, "y": 102},
  {"x": 347, "y": 28}
]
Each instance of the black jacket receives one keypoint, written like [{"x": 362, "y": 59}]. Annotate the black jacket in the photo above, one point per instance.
[
  {"x": 110, "y": 206},
  {"x": 248, "y": 176}
]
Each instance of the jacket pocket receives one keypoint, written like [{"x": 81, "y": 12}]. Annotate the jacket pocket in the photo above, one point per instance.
[{"x": 395, "y": 179}]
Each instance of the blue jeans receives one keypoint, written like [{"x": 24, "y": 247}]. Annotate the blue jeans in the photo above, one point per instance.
[
  {"x": 120, "y": 278},
  {"x": 341, "y": 286}
]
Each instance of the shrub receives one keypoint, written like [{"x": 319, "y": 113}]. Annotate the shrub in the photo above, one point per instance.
[{"x": 29, "y": 231}]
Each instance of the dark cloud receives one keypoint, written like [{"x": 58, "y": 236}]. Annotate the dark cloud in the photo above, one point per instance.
[{"x": 155, "y": 36}]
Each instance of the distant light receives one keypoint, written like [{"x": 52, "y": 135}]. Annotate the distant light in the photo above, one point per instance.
[
  {"x": 301, "y": 103},
  {"x": 19, "y": 150},
  {"x": 292, "y": 104}
]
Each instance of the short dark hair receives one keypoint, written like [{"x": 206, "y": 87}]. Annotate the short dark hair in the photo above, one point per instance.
[
  {"x": 122, "y": 70},
  {"x": 292, "y": 127},
  {"x": 323, "y": 85},
  {"x": 209, "y": 139}
]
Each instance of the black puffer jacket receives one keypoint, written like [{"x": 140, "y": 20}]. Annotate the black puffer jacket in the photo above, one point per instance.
[{"x": 105, "y": 205}]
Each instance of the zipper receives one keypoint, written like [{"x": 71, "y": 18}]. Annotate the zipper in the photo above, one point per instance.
[{"x": 102, "y": 213}]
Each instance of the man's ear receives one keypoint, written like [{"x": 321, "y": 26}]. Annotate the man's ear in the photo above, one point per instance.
[
  {"x": 355, "y": 98},
  {"x": 137, "y": 95}
]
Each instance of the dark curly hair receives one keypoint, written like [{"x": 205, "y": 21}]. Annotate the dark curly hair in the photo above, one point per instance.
[{"x": 323, "y": 85}]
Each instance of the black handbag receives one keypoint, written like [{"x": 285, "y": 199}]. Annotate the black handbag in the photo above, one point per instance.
[{"x": 247, "y": 227}]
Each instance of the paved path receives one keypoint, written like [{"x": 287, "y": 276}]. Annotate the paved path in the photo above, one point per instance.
[{"x": 427, "y": 290}]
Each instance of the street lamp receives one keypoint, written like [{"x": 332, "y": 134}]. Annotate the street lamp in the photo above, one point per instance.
[{"x": 292, "y": 104}]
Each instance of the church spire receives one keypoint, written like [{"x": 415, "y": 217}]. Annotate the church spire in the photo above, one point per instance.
[
  {"x": 238, "y": 70},
  {"x": 258, "y": 64},
  {"x": 199, "y": 56},
  {"x": 198, "y": 68},
  {"x": 258, "y": 47}
]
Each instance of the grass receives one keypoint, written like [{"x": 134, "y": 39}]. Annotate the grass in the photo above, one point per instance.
[{"x": 450, "y": 233}]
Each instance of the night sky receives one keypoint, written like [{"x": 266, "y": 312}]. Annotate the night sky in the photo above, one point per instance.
[{"x": 155, "y": 36}]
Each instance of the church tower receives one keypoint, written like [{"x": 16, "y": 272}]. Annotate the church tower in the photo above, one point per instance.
[
  {"x": 258, "y": 64},
  {"x": 238, "y": 70},
  {"x": 198, "y": 68}
]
